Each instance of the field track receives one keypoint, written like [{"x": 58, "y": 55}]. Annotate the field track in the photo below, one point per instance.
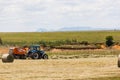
[{"x": 60, "y": 69}]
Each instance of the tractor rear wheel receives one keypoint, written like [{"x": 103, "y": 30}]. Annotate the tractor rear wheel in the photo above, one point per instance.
[
  {"x": 35, "y": 56},
  {"x": 45, "y": 56},
  {"x": 119, "y": 61}
]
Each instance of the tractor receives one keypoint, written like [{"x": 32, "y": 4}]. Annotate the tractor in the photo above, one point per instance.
[{"x": 33, "y": 52}]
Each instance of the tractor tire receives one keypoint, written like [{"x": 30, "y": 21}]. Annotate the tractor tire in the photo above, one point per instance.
[
  {"x": 119, "y": 61},
  {"x": 35, "y": 56},
  {"x": 45, "y": 56}
]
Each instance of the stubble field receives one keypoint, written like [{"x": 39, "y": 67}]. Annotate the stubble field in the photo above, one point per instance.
[{"x": 60, "y": 69}]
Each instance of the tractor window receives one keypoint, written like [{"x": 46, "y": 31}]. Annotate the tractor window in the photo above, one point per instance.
[
  {"x": 35, "y": 48},
  {"x": 38, "y": 48}
]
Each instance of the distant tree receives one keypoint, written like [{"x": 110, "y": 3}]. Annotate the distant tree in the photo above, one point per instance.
[
  {"x": 1, "y": 41},
  {"x": 109, "y": 41}
]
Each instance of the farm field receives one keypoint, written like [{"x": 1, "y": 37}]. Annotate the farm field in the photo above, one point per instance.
[
  {"x": 19, "y": 38},
  {"x": 61, "y": 69},
  {"x": 63, "y": 64}
]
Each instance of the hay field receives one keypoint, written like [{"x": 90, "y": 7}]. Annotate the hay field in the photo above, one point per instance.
[{"x": 60, "y": 69}]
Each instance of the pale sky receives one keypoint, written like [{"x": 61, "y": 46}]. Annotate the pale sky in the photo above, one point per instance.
[{"x": 30, "y": 15}]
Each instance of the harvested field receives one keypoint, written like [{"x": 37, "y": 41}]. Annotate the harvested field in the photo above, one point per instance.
[{"x": 60, "y": 69}]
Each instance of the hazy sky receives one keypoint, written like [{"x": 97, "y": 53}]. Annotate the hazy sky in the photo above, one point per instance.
[{"x": 30, "y": 15}]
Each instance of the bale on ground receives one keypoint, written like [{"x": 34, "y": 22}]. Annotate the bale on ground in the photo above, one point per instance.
[
  {"x": 7, "y": 58},
  {"x": 119, "y": 61}
]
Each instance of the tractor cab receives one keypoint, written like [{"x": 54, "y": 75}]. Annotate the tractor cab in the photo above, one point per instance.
[{"x": 35, "y": 47}]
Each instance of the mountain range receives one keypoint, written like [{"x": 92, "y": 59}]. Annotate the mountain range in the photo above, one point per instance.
[{"x": 73, "y": 29}]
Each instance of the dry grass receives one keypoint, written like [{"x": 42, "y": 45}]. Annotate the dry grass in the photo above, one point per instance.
[
  {"x": 4, "y": 50},
  {"x": 59, "y": 69}
]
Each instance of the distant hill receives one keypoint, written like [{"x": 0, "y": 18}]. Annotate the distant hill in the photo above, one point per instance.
[
  {"x": 41, "y": 30},
  {"x": 75, "y": 28},
  {"x": 84, "y": 28}
]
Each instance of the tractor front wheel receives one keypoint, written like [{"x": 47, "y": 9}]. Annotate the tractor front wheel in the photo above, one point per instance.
[{"x": 45, "y": 56}]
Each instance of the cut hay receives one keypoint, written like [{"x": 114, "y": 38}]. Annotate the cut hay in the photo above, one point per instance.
[{"x": 7, "y": 58}]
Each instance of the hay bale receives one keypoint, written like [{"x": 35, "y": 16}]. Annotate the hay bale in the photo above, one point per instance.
[
  {"x": 119, "y": 61},
  {"x": 7, "y": 58}
]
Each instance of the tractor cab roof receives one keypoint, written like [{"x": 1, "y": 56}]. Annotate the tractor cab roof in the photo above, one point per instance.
[{"x": 35, "y": 46}]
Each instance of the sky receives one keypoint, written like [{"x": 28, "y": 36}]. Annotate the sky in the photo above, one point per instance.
[{"x": 31, "y": 15}]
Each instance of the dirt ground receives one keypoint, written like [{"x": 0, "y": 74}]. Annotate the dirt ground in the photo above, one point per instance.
[
  {"x": 4, "y": 50},
  {"x": 59, "y": 69}
]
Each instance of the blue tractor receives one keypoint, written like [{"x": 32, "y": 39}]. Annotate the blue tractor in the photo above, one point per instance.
[{"x": 35, "y": 53}]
